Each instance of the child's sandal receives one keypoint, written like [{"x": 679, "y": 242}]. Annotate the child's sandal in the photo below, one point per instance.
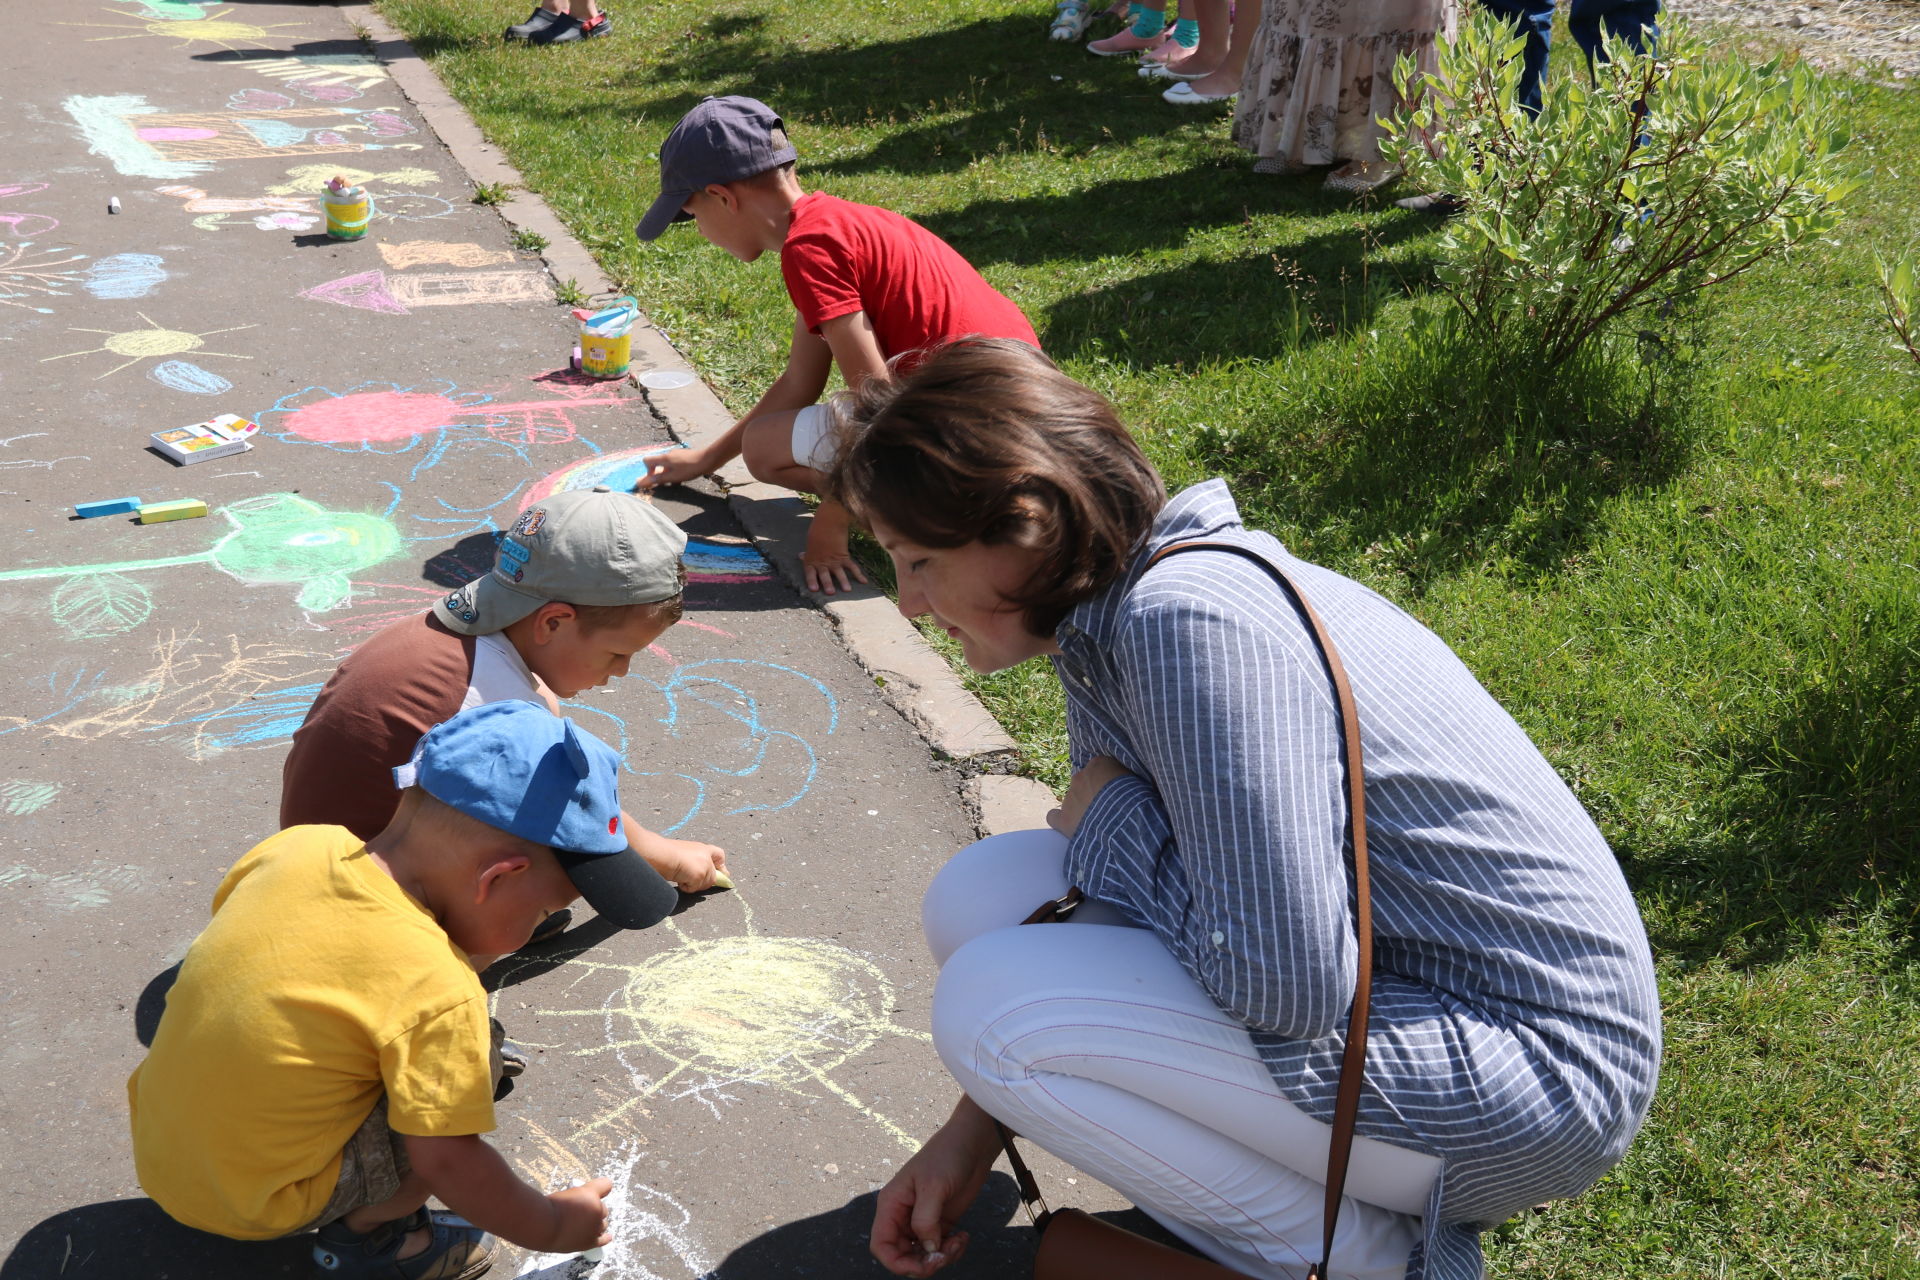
[
  {"x": 1070, "y": 20},
  {"x": 456, "y": 1250}
]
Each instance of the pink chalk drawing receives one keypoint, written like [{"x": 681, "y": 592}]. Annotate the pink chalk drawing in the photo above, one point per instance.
[
  {"x": 24, "y": 225},
  {"x": 285, "y": 221},
  {"x": 398, "y": 295},
  {"x": 260, "y": 100}
]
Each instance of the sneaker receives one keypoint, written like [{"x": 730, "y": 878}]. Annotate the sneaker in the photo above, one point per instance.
[
  {"x": 537, "y": 22},
  {"x": 456, "y": 1250},
  {"x": 554, "y": 925},
  {"x": 1440, "y": 204},
  {"x": 570, "y": 30}
]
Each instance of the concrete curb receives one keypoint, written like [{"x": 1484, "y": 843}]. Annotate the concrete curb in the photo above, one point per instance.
[{"x": 914, "y": 679}]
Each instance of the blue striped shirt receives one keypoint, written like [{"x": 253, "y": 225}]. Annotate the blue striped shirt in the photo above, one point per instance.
[{"x": 1516, "y": 1023}]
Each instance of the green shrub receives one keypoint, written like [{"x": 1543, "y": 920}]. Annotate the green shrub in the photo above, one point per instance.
[
  {"x": 1902, "y": 303},
  {"x": 1599, "y": 209}
]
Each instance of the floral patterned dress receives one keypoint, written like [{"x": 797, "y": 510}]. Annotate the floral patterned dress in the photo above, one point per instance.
[{"x": 1321, "y": 71}]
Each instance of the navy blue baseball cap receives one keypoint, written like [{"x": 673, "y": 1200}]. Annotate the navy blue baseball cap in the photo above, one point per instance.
[
  {"x": 522, "y": 770},
  {"x": 721, "y": 140}
]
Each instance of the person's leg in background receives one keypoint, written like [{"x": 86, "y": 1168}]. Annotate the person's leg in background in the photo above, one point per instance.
[
  {"x": 1534, "y": 19},
  {"x": 1634, "y": 21},
  {"x": 1090, "y": 1040},
  {"x": 1222, "y": 83},
  {"x": 1148, "y": 22}
]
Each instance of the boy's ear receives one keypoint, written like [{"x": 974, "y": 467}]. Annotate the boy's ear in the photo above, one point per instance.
[
  {"x": 547, "y": 619},
  {"x": 725, "y": 194},
  {"x": 494, "y": 875}
]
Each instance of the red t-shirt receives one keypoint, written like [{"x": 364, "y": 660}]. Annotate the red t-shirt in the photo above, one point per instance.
[{"x": 840, "y": 257}]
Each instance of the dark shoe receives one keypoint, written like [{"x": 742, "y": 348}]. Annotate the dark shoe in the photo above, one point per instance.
[
  {"x": 540, "y": 20},
  {"x": 1441, "y": 204},
  {"x": 570, "y": 30},
  {"x": 456, "y": 1250}
]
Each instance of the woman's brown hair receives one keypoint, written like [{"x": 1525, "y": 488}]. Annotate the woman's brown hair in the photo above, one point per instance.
[{"x": 987, "y": 441}]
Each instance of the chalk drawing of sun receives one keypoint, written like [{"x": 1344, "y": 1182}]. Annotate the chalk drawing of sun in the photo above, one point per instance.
[
  {"x": 213, "y": 29},
  {"x": 710, "y": 1017},
  {"x": 150, "y": 343}
]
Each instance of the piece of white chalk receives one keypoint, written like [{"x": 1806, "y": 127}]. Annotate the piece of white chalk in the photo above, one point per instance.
[
  {"x": 594, "y": 1254},
  {"x": 113, "y": 204}
]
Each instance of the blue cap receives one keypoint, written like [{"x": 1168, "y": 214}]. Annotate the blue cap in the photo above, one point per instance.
[
  {"x": 524, "y": 771},
  {"x": 721, "y": 140}
]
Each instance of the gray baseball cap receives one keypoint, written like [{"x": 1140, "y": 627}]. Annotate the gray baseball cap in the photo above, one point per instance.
[
  {"x": 721, "y": 140},
  {"x": 584, "y": 546}
]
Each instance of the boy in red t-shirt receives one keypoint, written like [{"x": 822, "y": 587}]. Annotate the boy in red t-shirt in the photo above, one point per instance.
[{"x": 868, "y": 286}]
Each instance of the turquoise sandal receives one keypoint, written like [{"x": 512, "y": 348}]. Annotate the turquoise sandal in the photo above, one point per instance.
[{"x": 458, "y": 1250}]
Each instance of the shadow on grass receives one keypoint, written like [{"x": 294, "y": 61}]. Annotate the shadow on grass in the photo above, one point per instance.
[{"x": 1822, "y": 816}]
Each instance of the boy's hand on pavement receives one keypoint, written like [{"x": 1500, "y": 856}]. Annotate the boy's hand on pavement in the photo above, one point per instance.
[
  {"x": 687, "y": 864},
  {"x": 580, "y": 1217},
  {"x": 673, "y": 466}
]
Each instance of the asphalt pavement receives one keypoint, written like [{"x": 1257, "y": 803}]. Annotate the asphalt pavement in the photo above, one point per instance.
[{"x": 748, "y": 1073}]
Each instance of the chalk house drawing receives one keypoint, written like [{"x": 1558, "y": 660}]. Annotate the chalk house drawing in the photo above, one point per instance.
[{"x": 140, "y": 140}]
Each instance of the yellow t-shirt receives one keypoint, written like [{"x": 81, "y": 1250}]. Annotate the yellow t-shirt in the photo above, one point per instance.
[{"x": 318, "y": 985}]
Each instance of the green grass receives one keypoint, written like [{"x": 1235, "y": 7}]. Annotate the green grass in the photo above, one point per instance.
[{"x": 1689, "y": 570}]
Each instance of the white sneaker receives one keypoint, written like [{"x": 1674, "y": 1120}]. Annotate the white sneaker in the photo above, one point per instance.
[{"x": 1185, "y": 95}]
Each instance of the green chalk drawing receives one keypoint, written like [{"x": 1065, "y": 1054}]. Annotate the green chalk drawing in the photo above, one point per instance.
[
  {"x": 172, "y": 10},
  {"x": 89, "y": 605},
  {"x": 21, "y": 798},
  {"x": 277, "y": 538}
]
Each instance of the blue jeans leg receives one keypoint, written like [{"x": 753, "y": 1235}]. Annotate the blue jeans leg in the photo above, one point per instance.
[{"x": 1535, "y": 19}]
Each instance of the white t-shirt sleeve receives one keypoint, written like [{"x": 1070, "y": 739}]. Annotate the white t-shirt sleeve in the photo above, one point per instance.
[{"x": 499, "y": 674}]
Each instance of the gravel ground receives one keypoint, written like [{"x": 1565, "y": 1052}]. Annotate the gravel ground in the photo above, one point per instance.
[{"x": 1877, "y": 38}]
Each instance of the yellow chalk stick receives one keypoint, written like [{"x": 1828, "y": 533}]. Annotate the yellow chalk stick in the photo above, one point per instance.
[
  {"x": 182, "y": 509},
  {"x": 721, "y": 880}
]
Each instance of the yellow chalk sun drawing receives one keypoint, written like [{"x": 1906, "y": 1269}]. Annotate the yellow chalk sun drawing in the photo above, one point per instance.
[
  {"x": 213, "y": 29},
  {"x": 709, "y": 1015},
  {"x": 150, "y": 343}
]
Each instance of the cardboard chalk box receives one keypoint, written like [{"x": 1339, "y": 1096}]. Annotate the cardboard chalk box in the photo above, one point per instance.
[{"x": 203, "y": 441}]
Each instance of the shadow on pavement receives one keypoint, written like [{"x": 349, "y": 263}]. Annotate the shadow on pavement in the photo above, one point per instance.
[{"x": 116, "y": 1239}]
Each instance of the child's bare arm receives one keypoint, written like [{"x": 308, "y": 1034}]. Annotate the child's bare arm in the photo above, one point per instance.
[
  {"x": 472, "y": 1179},
  {"x": 809, "y": 361},
  {"x": 855, "y": 348}
]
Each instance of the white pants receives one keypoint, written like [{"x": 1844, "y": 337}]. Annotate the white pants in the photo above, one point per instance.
[{"x": 1089, "y": 1039}]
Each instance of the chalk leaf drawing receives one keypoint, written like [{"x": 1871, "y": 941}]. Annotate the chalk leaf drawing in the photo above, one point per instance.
[
  {"x": 125, "y": 275},
  {"x": 277, "y": 538},
  {"x": 71, "y": 888},
  {"x": 214, "y": 28},
  {"x": 148, "y": 343},
  {"x": 90, "y": 605},
  {"x": 36, "y": 274},
  {"x": 20, "y": 797},
  {"x": 181, "y": 375}
]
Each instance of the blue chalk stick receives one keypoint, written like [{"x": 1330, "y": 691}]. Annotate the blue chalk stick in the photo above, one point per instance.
[{"x": 105, "y": 507}]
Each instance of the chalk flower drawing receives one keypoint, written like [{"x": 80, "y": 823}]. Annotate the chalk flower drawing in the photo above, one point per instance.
[
  {"x": 277, "y": 538},
  {"x": 149, "y": 343}
]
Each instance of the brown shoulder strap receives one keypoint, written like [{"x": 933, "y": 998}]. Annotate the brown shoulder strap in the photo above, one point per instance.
[{"x": 1353, "y": 1063}]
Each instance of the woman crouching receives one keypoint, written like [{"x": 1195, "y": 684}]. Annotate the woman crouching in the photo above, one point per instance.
[{"x": 1181, "y": 1038}]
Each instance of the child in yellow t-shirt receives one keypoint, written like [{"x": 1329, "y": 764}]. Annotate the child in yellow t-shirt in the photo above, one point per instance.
[{"x": 324, "y": 1059}]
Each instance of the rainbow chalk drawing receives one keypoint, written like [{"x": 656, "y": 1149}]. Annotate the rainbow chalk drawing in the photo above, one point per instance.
[
  {"x": 140, "y": 140},
  {"x": 145, "y": 344},
  {"x": 30, "y": 274},
  {"x": 125, "y": 275},
  {"x": 397, "y": 295},
  {"x": 278, "y": 538},
  {"x": 213, "y": 28}
]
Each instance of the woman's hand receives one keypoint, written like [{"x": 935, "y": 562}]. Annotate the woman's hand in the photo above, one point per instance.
[
  {"x": 1085, "y": 786},
  {"x": 913, "y": 1219}
]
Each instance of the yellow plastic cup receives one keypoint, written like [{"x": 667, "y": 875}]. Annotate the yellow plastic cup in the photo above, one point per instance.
[
  {"x": 605, "y": 357},
  {"x": 348, "y": 213}
]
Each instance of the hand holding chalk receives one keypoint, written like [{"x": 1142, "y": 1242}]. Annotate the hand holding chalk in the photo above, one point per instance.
[{"x": 583, "y": 1220}]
